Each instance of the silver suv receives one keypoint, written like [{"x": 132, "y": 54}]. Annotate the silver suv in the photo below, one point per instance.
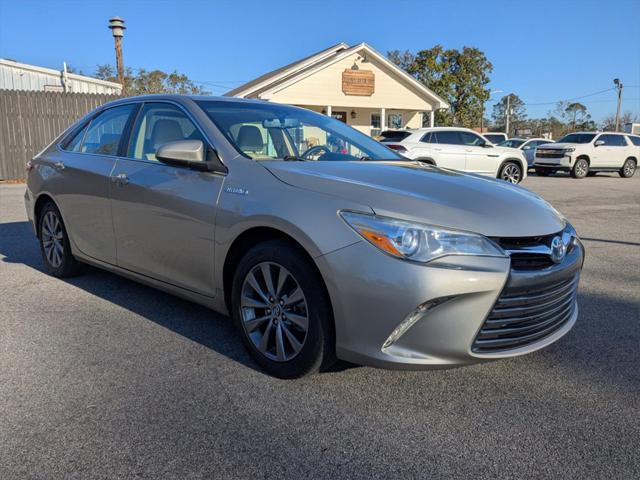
[
  {"x": 319, "y": 241},
  {"x": 586, "y": 153}
]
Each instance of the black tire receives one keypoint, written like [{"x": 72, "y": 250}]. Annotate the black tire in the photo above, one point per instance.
[
  {"x": 317, "y": 346},
  {"x": 628, "y": 168},
  {"x": 511, "y": 172},
  {"x": 543, "y": 172},
  {"x": 58, "y": 260},
  {"x": 580, "y": 168}
]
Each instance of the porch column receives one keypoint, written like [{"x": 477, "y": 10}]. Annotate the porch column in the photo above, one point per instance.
[
  {"x": 383, "y": 119},
  {"x": 432, "y": 118},
  {"x": 328, "y": 110}
]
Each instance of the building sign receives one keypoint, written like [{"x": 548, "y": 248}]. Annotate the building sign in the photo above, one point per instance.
[{"x": 358, "y": 82}]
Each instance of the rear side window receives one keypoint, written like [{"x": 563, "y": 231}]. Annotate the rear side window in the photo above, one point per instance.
[
  {"x": 613, "y": 140},
  {"x": 75, "y": 143},
  {"x": 393, "y": 136},
  {"x": 635, "y": 141},
  {"x": 105, "y": 131},
  {"x": 446, "y": 137},
  {"x": 157, "y": 124}
]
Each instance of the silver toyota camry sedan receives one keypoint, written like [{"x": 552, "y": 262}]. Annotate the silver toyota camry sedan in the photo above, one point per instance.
[{"x": 319, "y": 242}]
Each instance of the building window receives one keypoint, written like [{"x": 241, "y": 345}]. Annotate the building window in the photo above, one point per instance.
[
  {"x": 375, "y": 120},
  {"x": 394, "y": 120}
]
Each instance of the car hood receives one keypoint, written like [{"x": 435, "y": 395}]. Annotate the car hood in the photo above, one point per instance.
[
  {"x": 419, "y": 192},
  {"x": 558, "y": 146}
]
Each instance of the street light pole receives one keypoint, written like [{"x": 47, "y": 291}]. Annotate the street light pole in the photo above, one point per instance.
[
  {"x": 116, "y": 24},
  {"x": 619, "y": 87}
]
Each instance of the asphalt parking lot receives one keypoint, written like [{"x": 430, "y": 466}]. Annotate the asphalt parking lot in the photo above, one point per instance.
[{"x": 103, "y": 378}]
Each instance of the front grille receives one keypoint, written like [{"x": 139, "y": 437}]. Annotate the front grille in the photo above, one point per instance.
[
  {"x": 549, "y": 153},
  {"x": 521, "y": 259},
  {"x": 519, "y": 319}
]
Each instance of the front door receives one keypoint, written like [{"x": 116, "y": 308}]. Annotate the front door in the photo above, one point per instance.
[
  {"x": 481, "y": 160},
  {"x": 83, "y": 171},
  {"x": 448, "y": 150},
  {"x": 163, "y": 216}
]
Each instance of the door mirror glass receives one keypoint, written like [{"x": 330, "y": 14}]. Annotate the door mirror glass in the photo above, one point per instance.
[{"x": 181, "y": 152}]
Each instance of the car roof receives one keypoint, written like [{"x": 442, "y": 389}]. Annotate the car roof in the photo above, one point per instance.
[{"x": 181, "y": 99}]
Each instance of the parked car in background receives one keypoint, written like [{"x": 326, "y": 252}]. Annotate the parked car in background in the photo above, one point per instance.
[
  {"x": 461, "y": 149},
  {"x": 319, "y": 241},
  {"x": 527, "y": 145},
  {"x": 586, "y": 153},
  {"x": 495, "y": 137}
]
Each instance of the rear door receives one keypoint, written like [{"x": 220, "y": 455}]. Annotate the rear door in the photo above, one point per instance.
[
  {"x": 164, "y": 215},
  {"x": 82, "y": 181},
  {"x": 481, "y": 160},
  {"x": 448, "y": 149}
]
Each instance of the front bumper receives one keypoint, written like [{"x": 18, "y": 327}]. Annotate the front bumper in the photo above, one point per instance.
[
  {"x": 444, "y": 304},
  {"x": 559, "y": 164}
]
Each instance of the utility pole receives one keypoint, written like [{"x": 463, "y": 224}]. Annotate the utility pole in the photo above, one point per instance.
[
  {"x": 116, "y": 24},
  {"x": 619, "y": 87},
  {"x": 507, "y": 114}
]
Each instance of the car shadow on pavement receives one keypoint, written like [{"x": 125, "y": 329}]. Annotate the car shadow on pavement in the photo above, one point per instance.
[{"x": 190, "y": 320}]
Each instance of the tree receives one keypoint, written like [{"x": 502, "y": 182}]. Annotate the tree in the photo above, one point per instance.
[
  {"x": 609, "y": 122},
  {"x": 460, "y": 77},
  {"x": 151, "y": 81},
  {"x": 518, "y": 112},
  {"x": 575, "y": 116}
]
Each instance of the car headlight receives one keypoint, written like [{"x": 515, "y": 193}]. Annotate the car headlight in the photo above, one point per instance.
[
  {"x": 418, "y": 242},
  {"x": 569, "y": 150}
]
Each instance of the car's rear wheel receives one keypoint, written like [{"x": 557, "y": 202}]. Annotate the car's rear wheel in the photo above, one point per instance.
[
  {"x": 580, "y": 169},
  {"x": 282, "y": 311},
  {"x": 511, "y": 172},
  {"x": 628, "y": 169},
  {"x": 54, "y": 244}
]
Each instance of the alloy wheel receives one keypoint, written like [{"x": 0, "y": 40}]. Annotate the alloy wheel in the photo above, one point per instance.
[
  {"x": 274, "y": 311},
  {"x": 629, "y": 168},
  {"x": 511, "y": 173},
  {"x": 581, "y": 168},
  {"x": 53, "y": 239}
]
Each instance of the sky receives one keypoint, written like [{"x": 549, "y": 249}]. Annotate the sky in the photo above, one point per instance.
[{"x": 544, "y": 51}]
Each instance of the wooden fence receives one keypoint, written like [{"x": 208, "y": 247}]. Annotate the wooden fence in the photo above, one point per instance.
[{"x": 29, "y": 121}]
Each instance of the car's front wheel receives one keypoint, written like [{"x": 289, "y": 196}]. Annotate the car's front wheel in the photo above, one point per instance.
[
  {"x": 628, "y": 169},
  {"x": 282, "y": 311},
  {"x": 54, "y": 244},
  {"x": 511, "y": 172},
  {"x": 580, "y": 169}
]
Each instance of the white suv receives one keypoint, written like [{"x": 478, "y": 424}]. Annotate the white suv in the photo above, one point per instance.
[
  {"x": 459, "y": 149},
  {"x": 585, "y": 153}
]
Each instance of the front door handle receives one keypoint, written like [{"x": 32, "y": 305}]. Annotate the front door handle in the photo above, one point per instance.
[
  {"x": 58, "y": 166},
  {"x": 120, "y": 179}
]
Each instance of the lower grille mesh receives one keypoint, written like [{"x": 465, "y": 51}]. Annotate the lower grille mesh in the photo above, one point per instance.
[{"x": 519, "y": 319}]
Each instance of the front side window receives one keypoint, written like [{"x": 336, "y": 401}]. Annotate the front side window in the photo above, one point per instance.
[
  {"x": 613, "y": 140},
  {"x": 157, "y": 124},
  {"x": 447, "y": 137},
  {"x": 263, "y": 131},
  {"x": 512, "y": 143},
  {"x": 577, "y": 138},
  {"x": 471, "y": 139},
  {"x": 105, "y": 131}
]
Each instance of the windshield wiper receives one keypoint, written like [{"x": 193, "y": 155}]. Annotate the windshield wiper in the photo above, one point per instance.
[{"x": 293, "y": 158}]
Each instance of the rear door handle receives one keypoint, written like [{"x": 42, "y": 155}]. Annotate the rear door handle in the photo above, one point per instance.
[
  {"x": 120, "y": 179},
  {"x": 58, "y": 166}
]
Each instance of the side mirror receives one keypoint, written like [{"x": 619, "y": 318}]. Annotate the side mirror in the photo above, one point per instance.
[
  {"x": 191, "y": 154},
  {"x": 527, "y": 147},
  {"x": 599, "y": 142}
]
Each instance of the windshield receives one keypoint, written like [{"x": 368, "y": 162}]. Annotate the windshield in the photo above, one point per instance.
[
  {"x": 511, "y": 143},
  {"x": 393, "y": 136},
  {"x": 264, "y": 131},
  {"x": 495, "y": 138},
  {"x": 577, "y": 138}
]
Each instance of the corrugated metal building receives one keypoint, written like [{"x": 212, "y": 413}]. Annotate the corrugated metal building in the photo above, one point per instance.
[{"x": 20, "y": 76}]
